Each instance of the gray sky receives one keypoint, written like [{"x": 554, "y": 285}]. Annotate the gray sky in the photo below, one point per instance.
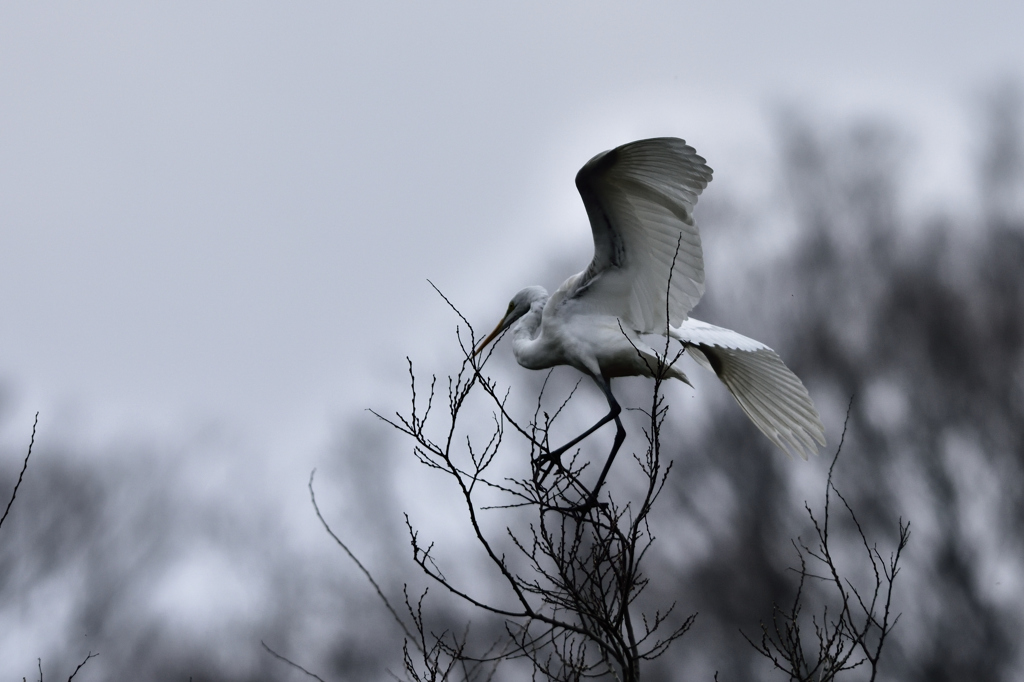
[
  {"x": 226, "y": 213},
  {"x": 230, "y": 210}
]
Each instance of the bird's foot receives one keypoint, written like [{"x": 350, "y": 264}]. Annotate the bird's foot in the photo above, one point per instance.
[
  {"x": 545, "y": 463},
  {"x": 582, "y": 509}
]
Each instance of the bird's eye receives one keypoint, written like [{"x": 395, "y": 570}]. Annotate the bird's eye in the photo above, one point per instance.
[{"x": 511, "y": 305}]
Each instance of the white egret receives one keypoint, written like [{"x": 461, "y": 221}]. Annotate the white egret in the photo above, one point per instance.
[{"x": 646, "y": 276}]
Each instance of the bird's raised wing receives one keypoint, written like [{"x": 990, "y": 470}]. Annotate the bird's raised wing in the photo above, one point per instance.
[
  {"x": 772, "y": 396},
  {"x": 640, "y": 200}
]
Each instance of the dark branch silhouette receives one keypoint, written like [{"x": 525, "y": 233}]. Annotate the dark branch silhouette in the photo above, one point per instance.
[
  {"x": 576, "y": 571},
  {"x": 289, "y": 662},
  {"x": 21, "y": 475},
  {"x": 855, "y": 633}
]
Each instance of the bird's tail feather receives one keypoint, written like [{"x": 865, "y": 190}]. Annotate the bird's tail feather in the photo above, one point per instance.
[{"x": 770, "y": 394}]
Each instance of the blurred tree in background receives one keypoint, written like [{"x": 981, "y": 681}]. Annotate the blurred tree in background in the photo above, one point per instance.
[
  {"x": 924, "y": 325},
  {"x": 919, "y": 317}
]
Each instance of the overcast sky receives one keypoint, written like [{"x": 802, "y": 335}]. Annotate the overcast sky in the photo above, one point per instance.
[{"x": 230, "y": 210}]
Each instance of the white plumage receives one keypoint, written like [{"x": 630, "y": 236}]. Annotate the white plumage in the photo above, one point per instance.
[
  {"x": 640, "y": 199},
  {"x": 771, "y": 395}
]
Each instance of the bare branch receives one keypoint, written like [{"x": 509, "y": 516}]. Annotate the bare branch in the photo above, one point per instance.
[
  {"x": 352, "y": 556},
  {"x": 856, "y": 635},
  {"x": 84, "y": 661},
  {"x": 290, "y": 662},
  {"x": 21, "y": 475}
]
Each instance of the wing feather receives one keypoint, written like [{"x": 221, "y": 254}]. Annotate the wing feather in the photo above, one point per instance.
[
  {"x": 767, "y": 391},
  {"x": 640, "y": 199}
]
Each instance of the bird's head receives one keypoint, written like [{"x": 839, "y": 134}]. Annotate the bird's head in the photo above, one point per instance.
[{"x": 517, "y": 307}]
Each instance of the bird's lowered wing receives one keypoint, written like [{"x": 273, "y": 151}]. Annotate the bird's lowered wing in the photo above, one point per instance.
[
  {"x": 772, "y": 396},
  {"x": 640, "y": 200}
]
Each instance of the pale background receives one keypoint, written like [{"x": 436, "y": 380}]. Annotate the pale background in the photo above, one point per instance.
[{"x": 217, "y": 220}]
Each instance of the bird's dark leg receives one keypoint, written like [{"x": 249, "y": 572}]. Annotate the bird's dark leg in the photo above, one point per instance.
[
  {"x": 620, "y": 435},
  {"x": 554, "y": 456}
]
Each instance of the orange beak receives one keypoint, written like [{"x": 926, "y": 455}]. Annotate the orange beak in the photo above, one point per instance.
[{"x": 490, "y": 337}]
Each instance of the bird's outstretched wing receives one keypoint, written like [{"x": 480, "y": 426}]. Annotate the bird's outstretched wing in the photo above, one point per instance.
[
  {"x": 640, "y": 200},
  {"x": 772, "y": 396}
]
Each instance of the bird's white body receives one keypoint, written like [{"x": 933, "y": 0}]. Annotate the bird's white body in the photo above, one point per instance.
[
  {"x": 553, "y": 333},
  {"x": 646, "y": 275}
]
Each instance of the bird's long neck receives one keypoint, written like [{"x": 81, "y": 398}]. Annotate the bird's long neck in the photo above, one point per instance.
[{"x": 527, "y": 344}]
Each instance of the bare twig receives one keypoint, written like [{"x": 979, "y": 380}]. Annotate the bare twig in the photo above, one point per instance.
[
  {"x": 290, "y": 662},
  {"x": 354, "y": 558},
  {"x": 17, "y": 485},
  {"x": 856, "y": 634},
  {"x": 84, "y": 661}
]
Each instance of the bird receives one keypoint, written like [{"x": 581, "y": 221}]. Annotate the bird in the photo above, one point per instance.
[{"x": 646, "y": 275}]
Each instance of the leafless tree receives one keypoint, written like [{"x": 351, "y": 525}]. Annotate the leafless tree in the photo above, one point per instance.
[
  {"x": 573, "y": 574},
  {"x": 854, "y": 633}
]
